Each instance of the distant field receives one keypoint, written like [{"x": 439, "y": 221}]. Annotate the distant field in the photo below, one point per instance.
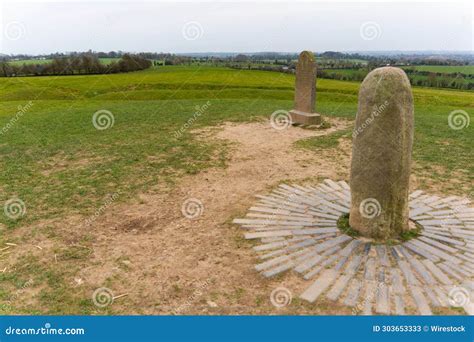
[
  {"x": 466, "y": 69},
  {"x": 448, "y": 79},
  {"x": 105, "y": 61},
  {"x": 327, "y": 60},
  {"x": 319, "y": 60},
  {"x": 30, "y": 61},
  {"x": 348, "y": 72}
]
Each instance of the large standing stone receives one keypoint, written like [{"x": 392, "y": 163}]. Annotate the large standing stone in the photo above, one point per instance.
[
  {"x": 381, "y": 155},
  {"x": 305, "y": 91}
]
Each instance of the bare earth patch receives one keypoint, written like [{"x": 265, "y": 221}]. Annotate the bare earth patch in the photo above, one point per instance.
[
  {"x": 203, "y": 265},
  {"x": 61, "y": 162}
]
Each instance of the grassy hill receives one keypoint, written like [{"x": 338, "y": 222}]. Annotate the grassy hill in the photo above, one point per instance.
[{"x": 148, "y": 108}]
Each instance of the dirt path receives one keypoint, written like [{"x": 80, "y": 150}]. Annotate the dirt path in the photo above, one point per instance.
[{"x": 167, "y": 262}]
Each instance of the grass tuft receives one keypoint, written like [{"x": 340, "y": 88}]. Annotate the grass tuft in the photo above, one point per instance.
[
  {"x": 343, "y": 225},
  {"x": 323, "y": 142}
]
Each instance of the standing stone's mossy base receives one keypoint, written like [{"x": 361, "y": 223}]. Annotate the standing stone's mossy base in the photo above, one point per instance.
[
  {"x": 344, "y": 226},
  {"x": 343, "y": 223},
  {"x": 297, "y": 228}
]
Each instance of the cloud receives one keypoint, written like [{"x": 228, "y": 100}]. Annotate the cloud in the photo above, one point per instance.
[{"x": 236, "y": 26}]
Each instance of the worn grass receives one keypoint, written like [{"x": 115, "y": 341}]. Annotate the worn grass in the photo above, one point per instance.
[{"x": 324, "y": 142}]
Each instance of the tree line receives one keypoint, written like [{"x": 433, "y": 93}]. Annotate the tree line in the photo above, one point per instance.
[{"x": 84, "y": 64}]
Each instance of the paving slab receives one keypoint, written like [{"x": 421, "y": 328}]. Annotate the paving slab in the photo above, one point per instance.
[
  {"x": 420, "y": 301},
  {"x": 320, "y": 285},
  {"x": 353, "y": 293}
]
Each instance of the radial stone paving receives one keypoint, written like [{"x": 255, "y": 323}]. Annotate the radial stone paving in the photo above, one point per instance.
[{"x": 297, "y": 227}]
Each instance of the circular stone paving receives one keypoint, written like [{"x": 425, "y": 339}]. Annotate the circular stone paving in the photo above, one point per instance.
[{"x": 297, "y": 228}]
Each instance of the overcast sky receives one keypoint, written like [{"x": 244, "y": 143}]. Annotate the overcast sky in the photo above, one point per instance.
[{"x": 37, "y": 27}]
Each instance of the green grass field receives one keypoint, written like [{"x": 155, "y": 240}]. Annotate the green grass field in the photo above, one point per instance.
[
  {"x": 30, "y": 61},
  {"x": 348, "y": 72},
  {"x": 348, "y": 60},
  {"x": 59, "y": 164},
  {"x": 447, "y": 69}
]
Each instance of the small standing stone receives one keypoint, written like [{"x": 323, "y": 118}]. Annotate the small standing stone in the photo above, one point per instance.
[
  {"x": 381, "y": 155},
  {"x": 305, "y": 91}
]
